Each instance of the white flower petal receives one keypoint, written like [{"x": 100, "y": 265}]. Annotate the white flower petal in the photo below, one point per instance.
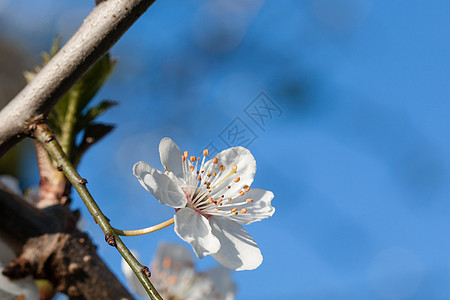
[
  {"x": 170, "y": 155},
  {"x": 160, "y": 185},
  {"x": 257, "y": 210},
  {"x": 194, "y": 228},
  {"x": 12, "y": 183},
  {"x": 238, "y": 250},
  {"x": 224, "y": 287},
  {"x": 177, "y": 254},
  {"x": 246, "y": 168}
]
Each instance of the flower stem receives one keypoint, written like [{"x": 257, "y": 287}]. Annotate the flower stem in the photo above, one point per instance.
[
  {"x": 46, "y": 137},
  {"x": 144, "y": 230}
]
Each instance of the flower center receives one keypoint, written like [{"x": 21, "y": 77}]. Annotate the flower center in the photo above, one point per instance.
[{"x": 206, "y": 184}]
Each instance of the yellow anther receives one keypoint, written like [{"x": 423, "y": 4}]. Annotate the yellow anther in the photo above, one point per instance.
[
  {"x": 246, "y": 188},
  {"x": 236, "y": 213},
  {"x": 193, "y": 158},
  {"x": 237, "y": 179},
  {"x": 205, "y": 152},
  {"x": 235, "y": 167},
  {"x": 173, "y": 279},
  {"x": 249, "y": 200},
  {"x": 186, "y": 154},
  {"x": 243, "y": 211},
  {"x": 215, "y": 160},
  {"x": 214, "y": 173},
  {"x": 229, "y": 199},
  {"x": 167, "y": 262}
]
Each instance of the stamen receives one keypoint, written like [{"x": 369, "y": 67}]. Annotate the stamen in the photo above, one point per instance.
[
  {"x": 235, "y": 167},
  {"x": 246, "y": 188},
  {"x": 198, "y": 158},
  {"x": 214, "y": 173},
  {"x": 243, "y": 211},
  {"x": 205, "y": 152},
  {"x": 186, "y": 154},
  {"x": 210, "y": 200},
  {"x": 183, "y": 158},
  {"x": 231, "y": 173},
  {"x": 249, "y": 200},
  {"x": 229, "y": 186},
  {"x": 215, "y": 160},
  {"x": 222, "y": 168},
  {"x": 193, "y": 158},
  {"x": 191, "y": 168},
  {"x": 199, "y": 178},
  {"x": 173, "y": 279},
  {"x": 234, "y": 210},
  {"x": 241, "y": 193},
  {"x": 166, "y": 262},
  {"x": 237, "y": 179}
]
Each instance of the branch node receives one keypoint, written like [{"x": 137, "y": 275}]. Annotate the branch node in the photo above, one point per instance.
[
  {"x": 110, "y": 239},
  {"x": 146, "y": 272},
  {"x": 17, "y": 268},
  {"x": 83, "y": 181}
]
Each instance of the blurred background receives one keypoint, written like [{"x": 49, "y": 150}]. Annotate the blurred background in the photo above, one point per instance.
[{"x": 350, "y": 132}]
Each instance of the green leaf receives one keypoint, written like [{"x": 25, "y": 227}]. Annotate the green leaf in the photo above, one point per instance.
[
  {"x": 93, "y": 113},
  {"x": 92, "y": 134},
  {"x": 91, "y": 82}
]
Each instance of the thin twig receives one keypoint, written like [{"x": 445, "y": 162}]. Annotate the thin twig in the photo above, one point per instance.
[
  {"x": 107, "y": 22},
  {"x": 45, "y": 136},
  {"x": 144, "y": 230}
]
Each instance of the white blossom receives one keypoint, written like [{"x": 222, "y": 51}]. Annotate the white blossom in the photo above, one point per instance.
[
  {"x": 175, "y": 278},
  {"x": 211, "y": 198}
]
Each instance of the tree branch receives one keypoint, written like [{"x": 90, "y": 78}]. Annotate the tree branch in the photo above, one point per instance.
[
  {"x": 99, "y": 32},
  {"x": 43, "y": 134},
  {"x": 54, "y": 249}
]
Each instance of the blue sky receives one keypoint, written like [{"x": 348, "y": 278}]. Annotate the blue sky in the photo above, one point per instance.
[{"x": 358, "y": 160}]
